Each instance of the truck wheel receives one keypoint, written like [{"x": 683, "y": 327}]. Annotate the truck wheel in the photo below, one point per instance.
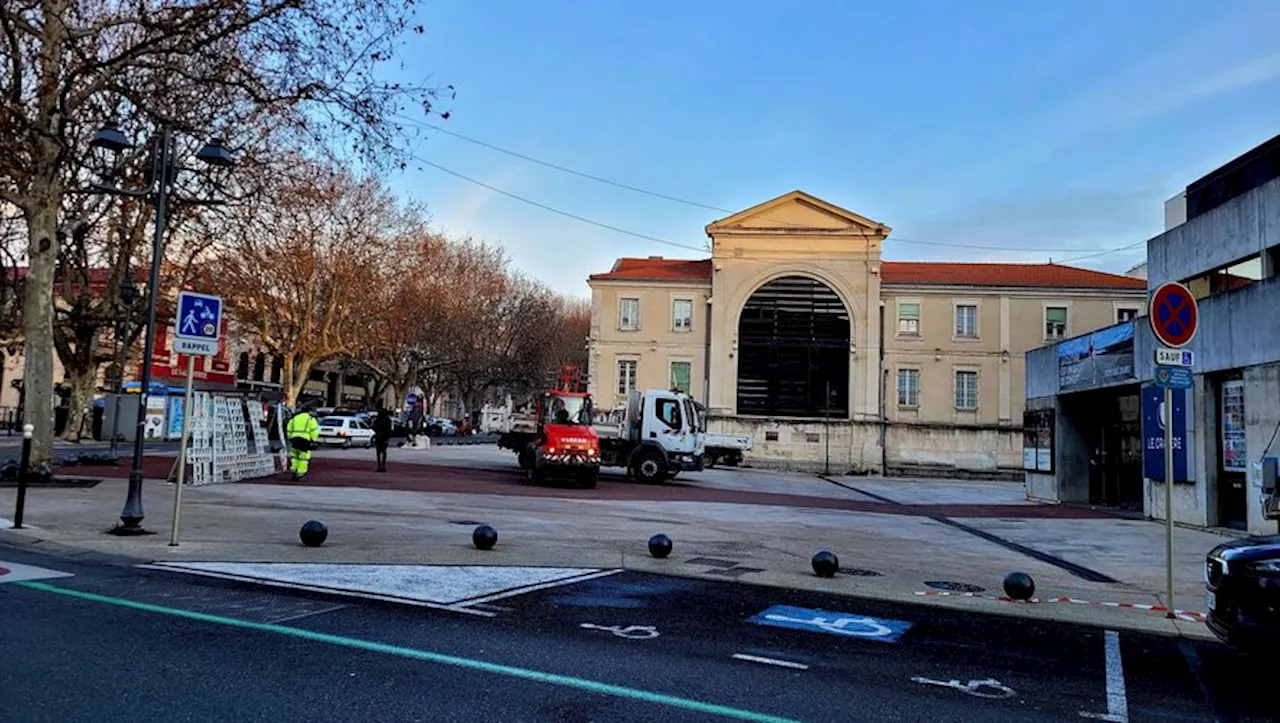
[
  {"x": 650, "y": 468},
  {"x": 522, "y": 458},
  {"x": 708, "y": 460},
  {"x": 734, "y": 460}
]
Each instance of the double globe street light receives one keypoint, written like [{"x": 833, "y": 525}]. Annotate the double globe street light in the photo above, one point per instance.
[{"x": 158, "y": 190}]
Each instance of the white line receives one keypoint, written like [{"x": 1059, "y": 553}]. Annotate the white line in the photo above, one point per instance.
[
  {"x": 319, "y": 588},
  {"x": 770, "y": 661},
  {"x": 463, "y": 605},
  {"x": 1117, "y": 703}
]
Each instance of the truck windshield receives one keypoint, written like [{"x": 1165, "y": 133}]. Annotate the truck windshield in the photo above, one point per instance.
[{"x": 565, "y": 409}]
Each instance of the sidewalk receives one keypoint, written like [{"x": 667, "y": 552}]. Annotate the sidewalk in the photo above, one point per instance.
[{"x": 891, "y": 551}]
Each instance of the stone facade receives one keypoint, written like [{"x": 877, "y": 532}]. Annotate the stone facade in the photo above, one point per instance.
[{"x": 933, "y": 377}]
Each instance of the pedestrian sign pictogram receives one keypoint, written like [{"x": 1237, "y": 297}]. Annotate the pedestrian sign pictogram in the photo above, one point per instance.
[
  {"x": 1174, "y": 314},
  {"x": 199, "y": 324}
]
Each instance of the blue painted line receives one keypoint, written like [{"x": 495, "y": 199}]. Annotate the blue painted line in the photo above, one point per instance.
[
  {"x": 538, "y": 676},
  {"x": 848, "y": 625}
]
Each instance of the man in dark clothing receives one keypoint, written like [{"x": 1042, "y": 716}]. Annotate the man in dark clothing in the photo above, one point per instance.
[{"x": 382, "y": 437}]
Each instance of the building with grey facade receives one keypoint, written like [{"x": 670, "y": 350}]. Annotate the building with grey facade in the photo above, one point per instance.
[{"x": 1093, "y": 414}]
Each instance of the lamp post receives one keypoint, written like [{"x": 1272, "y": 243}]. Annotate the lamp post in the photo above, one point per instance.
[
  {"x": 158, "y": 190},
  {"x": 128, "y": 294}
]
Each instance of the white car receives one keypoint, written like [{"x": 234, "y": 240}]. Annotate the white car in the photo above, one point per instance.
[{"x": 345, "y": 432}]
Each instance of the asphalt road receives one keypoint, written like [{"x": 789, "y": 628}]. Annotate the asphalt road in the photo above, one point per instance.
[{"x": 118, "y": 643}]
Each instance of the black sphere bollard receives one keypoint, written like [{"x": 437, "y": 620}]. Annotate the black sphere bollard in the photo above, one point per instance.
[
  {"x": 659, "y": 546},
  {"x": 485, "y": 537},
  {"x": 825, "y": 563},
  {"x": 313, "y": 533},
  {"x": 1019, "y": 586}
]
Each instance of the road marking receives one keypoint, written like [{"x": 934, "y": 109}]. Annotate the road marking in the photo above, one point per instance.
[
  {"x": 510, "y": 671},
  {"x": 824, "y": 621},
  {"x": 631, "y": 632},
  {"x": 770, "y": 661},
  {"x": 443, "y": 587},
  {"x": 1117, "y": 704},
  {"x": 17, "y": 572},
  {"x": 986, "y": 688},
  {"x": 539, "y": 586}
]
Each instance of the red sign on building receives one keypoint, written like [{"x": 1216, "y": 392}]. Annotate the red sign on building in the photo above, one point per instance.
[{"x": 170, "y": 368}]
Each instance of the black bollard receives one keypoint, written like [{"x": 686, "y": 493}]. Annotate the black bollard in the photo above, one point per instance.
[
  {"x": 23, "y": 468},
  {"x": 1019, "y": 586},
  {"x": 313, "y": 533},
  {"x": 484, "y": 538},
  {"x": 825, "y": 563},
  {"x": 659, "y": 546}
]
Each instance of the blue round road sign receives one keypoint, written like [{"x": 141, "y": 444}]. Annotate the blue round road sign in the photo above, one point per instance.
[{"x": 1173, "y": 314}]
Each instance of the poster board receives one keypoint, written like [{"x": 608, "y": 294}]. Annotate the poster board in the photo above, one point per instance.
[{"x": 1038, "y": 427}]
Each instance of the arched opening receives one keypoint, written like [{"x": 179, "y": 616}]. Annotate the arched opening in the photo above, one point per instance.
[{"x": 793, "y": 350}]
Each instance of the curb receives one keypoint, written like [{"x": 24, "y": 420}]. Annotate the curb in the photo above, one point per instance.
[{"x": 1190, "y": 616}]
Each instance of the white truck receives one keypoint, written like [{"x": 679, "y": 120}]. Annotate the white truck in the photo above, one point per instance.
[
  {"x": 721, "y": 448},
  {"x": 655, "y": 436}
]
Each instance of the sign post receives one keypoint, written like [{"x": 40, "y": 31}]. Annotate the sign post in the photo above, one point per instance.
[
  {"x": 1174, "y": 317},
  {"x": 199, "y": 324}
]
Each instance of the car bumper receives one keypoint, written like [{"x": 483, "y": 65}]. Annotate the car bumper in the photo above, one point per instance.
[{"x": 1245, "y": 611}]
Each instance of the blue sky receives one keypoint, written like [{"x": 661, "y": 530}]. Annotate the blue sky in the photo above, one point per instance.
[{"x": 1010, "y": 124}]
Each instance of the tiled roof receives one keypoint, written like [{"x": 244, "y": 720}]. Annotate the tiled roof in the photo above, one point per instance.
[
  {"x": 903, "y": 272},
  {"x": 1026, "y": 275},
  {"x": 656, "y": 268}
]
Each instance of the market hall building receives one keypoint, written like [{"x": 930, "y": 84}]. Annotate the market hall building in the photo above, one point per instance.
[
  {"x": 1092, "y": 412},
  {"x": 796, "y": 332}
]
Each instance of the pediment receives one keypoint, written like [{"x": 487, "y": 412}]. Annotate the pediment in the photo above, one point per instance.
[{"x": 799, "y": 212}]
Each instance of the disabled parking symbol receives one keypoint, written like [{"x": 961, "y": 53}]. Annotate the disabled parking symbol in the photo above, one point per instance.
[{"x": 849, "y": 625}]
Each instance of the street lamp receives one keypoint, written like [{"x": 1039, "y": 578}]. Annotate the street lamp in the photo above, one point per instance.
[
  {"x": 128, "y": 294},
  {"x": 214, "y": 153}
]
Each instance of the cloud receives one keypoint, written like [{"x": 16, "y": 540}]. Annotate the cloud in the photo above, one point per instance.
[{"x": 460, "y": 214}]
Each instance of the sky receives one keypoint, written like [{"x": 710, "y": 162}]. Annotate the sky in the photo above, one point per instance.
[{"x": 1041, "y": 130}]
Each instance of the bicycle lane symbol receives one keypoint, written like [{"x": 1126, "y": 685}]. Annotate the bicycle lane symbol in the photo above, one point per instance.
[{"x": 849, "y": 625}]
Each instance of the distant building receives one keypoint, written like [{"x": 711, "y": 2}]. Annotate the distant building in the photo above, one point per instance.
[{"x": 795, "y": 329}]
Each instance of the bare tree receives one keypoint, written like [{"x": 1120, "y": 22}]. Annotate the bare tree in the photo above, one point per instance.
[
  {"x": 300, "y": 266},
  {"x": 310, "y": 66}
]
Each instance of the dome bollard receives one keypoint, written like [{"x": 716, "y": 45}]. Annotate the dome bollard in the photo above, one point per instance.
[
  {"x": 825, "y": 563},
  {"x": 1019, "y": 586},
  {"x": 660, "y": 546},
  {"x": 484, "y": 537},
  {"x": 313, "y": 533}
]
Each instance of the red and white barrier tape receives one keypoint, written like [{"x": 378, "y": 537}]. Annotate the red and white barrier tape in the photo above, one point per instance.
[{"x": 1188, "y": 615}]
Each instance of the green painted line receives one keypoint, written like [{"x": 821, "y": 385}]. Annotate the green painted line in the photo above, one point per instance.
[{"x": 511, "y": 671}]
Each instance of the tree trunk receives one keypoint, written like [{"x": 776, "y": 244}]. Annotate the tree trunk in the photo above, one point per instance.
[
  {"x": 82, "y": 383},
  {"x": 37, "y": 326}
]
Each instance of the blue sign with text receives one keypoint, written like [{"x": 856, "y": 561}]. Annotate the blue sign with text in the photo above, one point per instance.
[
  {"x": 1153, "y": 434},
  {"x": 849, "y": 625},
  {"x": 1173, "y": 377}
]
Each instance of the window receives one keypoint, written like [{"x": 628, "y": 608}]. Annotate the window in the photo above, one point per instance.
[
  {"x": 1123, "y": 315},
  {"x": 682, "y": 315},
  {"x": 793, "y": 351},
  {"x": 680, "y": 373},
  {"x": 908, "y": 387},
  {"x": 1055, "y": 322},
  {"x": 966, "y": 390},
  {"x": 668, "y": 411},
  {"x": 909, "y": 319},
  {"x": 629, "y": 314},
  {"x": 626, "y": 376},
  {"x": 967, "y": 321}
]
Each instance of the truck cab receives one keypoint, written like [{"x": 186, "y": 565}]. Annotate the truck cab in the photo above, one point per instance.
[{"x": 656, "y": 437}]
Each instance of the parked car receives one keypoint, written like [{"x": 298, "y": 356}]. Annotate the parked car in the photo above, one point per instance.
[
  {"x": 345, "y": 432},
  {"x": 1242, "y": 581}
]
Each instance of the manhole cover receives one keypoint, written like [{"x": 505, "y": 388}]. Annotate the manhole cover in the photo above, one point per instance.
[
  {"x": 859, "y": 572},
  {"x": 954, "y": 586}
]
